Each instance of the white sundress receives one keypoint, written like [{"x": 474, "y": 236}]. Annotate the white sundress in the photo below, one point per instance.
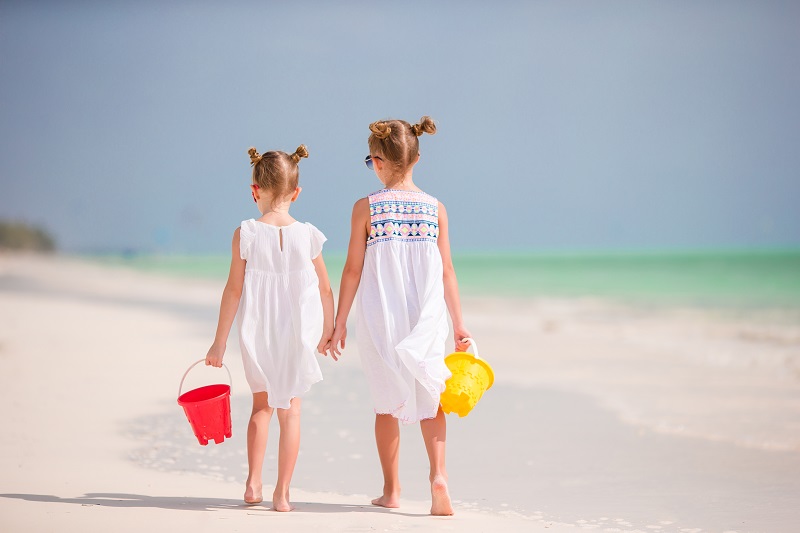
[
  {"x": 280, "y": 311},
  {"x": 402, "y": 316}
]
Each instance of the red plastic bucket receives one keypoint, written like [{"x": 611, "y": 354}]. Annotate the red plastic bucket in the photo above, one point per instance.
[{"x": 208, "y": 409}]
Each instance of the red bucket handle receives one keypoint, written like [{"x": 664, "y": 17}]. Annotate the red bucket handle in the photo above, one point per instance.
[
  {"x": 473, "y": 345},
  {"x": 230, "y": 379}
]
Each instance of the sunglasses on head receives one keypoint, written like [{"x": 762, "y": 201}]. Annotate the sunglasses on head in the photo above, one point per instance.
[{"x": 368, "y": 160}]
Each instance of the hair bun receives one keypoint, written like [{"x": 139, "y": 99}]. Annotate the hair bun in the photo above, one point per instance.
[
  {"x": 380, "y": 129},
  {"x": 425, "y": 125},
  {"x": 301, "y": 152},
  {"x": 255, "y": 157}
]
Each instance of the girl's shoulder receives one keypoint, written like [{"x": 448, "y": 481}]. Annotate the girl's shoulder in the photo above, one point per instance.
[
  {"x": 317, "y": 239},
  {"x": 299, "y": 227},
  {"x": 311, "y": 227},
  {"x": 247, "y": 227}
]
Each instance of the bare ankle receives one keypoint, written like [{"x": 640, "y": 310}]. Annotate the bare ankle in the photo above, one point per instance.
[{"x": 393, "y": 490}]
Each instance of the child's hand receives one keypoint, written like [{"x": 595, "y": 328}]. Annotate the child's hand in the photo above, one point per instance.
[
  {"x": 324, "y": 345},
  {"x": 460, "y": 333},
  {"x": 214, "y": 355},
  {"x": 339, "y": 336}
]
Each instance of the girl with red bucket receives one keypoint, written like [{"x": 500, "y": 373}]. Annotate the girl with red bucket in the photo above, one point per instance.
[
  {"x": 399, "y": 263},
  {"x": 278, "y": 288}
]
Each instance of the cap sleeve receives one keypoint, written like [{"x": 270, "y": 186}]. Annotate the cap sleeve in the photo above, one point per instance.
[
  {"x": 317, "y": 238},
  {"x": 246, "y": 236}
]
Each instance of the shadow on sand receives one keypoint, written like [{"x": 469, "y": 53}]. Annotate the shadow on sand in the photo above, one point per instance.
[{"x": 123, "y": 500}]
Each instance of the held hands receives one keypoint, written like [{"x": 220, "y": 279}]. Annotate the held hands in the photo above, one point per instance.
[
  {"x": 337, "y": 341},
  {"x": 324, "y": 345},
  {"x": 214, "y": 355}
]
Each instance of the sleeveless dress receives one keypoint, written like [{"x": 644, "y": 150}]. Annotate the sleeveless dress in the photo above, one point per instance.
[
  {"x": 280, "y": 310},
  {"x": 402, "y": 316}
]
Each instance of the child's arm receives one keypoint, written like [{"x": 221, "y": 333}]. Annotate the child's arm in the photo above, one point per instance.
[
  {"x": 351, "y": 275},
  {"x": 451, "y": 296},
  {"x": 326, "y": 294},
  {"x": 229, "y": 304}
]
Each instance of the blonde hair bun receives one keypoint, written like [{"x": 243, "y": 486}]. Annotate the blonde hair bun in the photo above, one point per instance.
[
  {"x": 380, "y": 129},
  {"x": 255, "y": 157},
  {"x": 301, "y": 152},
  {"x": 425, "y": 125}
]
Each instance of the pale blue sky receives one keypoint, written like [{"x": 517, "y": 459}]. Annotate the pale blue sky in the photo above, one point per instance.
[{"x": 562, "y": 125}]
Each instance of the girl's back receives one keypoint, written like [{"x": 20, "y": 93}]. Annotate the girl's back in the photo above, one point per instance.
[
  {"x": 404, "y": 216},
  {"x": 279, "y": 249},
  {"x": 280, "y": 312},
  {"x": 401, "y": 304}
]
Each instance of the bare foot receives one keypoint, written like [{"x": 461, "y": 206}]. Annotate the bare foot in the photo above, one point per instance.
[
  {"x": 440, "y": 498},
  {"x": 390, "y": 501},
  {"x": 280, "y": 502},
  {"x": 252, "y": 494}
]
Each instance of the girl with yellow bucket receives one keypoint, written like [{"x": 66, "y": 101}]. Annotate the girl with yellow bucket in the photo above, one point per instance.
[{"x": 399, "y": 265}]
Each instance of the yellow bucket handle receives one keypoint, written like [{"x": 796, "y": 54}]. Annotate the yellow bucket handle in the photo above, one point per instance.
[{"x": 472, "y": 345}]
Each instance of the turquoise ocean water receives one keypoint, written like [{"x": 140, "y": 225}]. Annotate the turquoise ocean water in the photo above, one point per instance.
[{"x": 738, "y": 279}]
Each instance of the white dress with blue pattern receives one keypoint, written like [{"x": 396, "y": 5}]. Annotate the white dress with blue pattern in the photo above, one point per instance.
[{"x": 402, "y": 316}]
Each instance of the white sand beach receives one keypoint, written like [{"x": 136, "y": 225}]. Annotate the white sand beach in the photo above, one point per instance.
[{"x": 603, "y": 417}]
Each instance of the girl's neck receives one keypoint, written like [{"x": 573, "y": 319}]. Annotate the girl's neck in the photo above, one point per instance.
[
  {"x": 276, "y": 214},
  {"x": 403, "y": 183}
]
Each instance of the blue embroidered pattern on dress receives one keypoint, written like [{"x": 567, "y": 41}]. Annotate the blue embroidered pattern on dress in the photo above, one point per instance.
[{"x": 402, "y": 216}]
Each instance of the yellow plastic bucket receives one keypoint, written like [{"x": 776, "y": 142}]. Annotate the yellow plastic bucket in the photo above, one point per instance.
[{"x": 472, "y": 376}]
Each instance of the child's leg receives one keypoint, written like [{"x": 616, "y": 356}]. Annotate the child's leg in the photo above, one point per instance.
[
  {"x": 434, "y": 432},
  {"x": 257, "y": 431},
  {"x": 387, "y": 437},
  {"x": 288, "y": 448}
]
